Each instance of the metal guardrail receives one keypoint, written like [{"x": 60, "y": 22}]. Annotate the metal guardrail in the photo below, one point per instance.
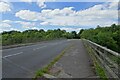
[{"x": 108, "y": 59}]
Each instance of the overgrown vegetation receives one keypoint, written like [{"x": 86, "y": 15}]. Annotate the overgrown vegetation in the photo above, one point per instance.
[
  {"x": 98, "y": 69},
  {"x": 46, "y": 69},
  {"x": 30, "y": 36},
  {"x": 106, "y": 36}
]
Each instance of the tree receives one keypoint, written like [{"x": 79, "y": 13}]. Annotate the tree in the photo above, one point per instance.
[
  {"x": 79, "y": 34},
  {"x": 74, "y": 34},
  {"x": 106, "y": 36}
]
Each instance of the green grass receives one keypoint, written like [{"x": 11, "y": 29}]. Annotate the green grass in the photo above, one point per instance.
[
  {"x": 98, "y": 69},
  {"x": 115, "y": 59},
  {"x": 46, "y": 69}
]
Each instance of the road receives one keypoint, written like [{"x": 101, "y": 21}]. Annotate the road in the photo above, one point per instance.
[
  {"x": 75, "y": 63},
  {"x": 23, "y": 62}
]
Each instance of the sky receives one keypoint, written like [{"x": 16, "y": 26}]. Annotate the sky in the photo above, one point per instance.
[{"x": 69, "y": 16}]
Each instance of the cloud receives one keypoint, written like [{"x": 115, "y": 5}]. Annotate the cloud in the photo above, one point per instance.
[
  {"x": 44, "y": 23},
  {"x": 4, "y": 7},
  {"x": 35, "y": 28},
  {"x": 67, "y": 11},
  {"x": 41, "y": 3},
  {"x": 71, "y": 29},
  {"x": 7, "y": 25},
  {"x": 8, "y": 29},
  {"x": 26, "y": 1},
  {"x": 27, "y": 24},
  {"x": 24, "y": 24},
  {"x": 101, "y": 14},
  {"x": 4, "y": 27},
  {"x": 27, "y": 15},
  {"x": 7, "y": 21}
]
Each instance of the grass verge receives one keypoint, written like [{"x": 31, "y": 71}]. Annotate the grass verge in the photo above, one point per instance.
[
  {"x": 98, "y": 69},
  {"x": 46, "y": 69}
]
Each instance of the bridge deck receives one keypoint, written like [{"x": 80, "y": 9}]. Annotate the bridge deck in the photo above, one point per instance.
[{"x": 75, "y": 63}]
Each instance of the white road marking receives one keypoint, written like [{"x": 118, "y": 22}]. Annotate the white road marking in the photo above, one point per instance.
[
  {"x": 12, "y": 55},
  {"x": 39, "y": 48}
]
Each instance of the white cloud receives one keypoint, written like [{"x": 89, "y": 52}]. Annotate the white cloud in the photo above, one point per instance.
[
  {"x": 4, "y": 27},
  {"x": 7, "y": 25},
  {"x": 35, "y": 28},
  {"x": 102, "y": 14},
  {"x": 44, "y": 23},
  {"x": 27, "y": 15},
  {"x": 4, "y": 7},
  {"x": 26, "y": 1},
  {"x": 27, "y": 24},
  {"x": 8, "y": 29},
  {"x": 71, "y": 29},
  {"x": 41, "y": 3},
  {"x": 67, "y": 11},
  {"x": 7, "y": 21}
]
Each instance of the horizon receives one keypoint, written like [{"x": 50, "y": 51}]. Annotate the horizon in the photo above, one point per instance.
[{"x": 57, "y": 29}]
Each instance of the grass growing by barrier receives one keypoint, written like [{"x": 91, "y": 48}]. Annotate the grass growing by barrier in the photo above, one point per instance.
[
  {"x": 98, "y": 69},
  {"x": 114, "y": 59},
  {"x": 46, "y": 69}
]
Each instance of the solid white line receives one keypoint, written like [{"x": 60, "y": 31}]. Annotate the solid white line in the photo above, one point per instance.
[{"x": 12, "y": 55}]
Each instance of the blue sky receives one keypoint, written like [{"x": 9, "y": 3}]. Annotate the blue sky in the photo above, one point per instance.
[
  {"x": 70, "y": 16},
  {"x": 17, "y": 6}
]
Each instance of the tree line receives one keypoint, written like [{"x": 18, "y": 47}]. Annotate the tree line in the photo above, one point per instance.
[
  {"x": 30, "y": 36},
  {"x": 106, "y": 36}
]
